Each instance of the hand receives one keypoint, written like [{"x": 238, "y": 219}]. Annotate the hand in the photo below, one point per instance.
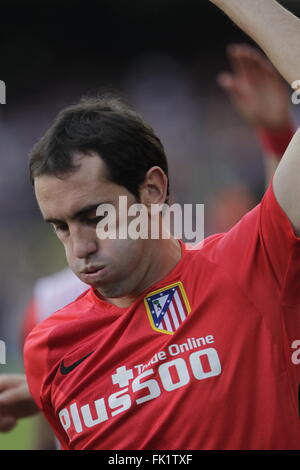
[
  {"x": 15, "y": 400},
  {"x": 255, "y": 88}
]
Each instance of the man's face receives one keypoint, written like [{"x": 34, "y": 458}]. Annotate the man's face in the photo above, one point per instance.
[{"x": 115, "y": 267}]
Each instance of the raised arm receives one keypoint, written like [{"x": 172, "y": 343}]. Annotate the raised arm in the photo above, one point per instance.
[
  {"x": 275, "y": 29},
  {"x": 278, "y": 33}
]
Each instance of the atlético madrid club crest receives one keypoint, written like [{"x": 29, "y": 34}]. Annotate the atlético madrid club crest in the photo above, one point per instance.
[{"x": 167, "y": 308}]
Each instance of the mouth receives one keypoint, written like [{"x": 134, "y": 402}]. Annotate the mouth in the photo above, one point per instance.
[
  {"x": 92, "y": 273},
  {"x": 92, "y": 269}
]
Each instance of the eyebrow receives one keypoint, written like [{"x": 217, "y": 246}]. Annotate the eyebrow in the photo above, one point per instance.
[{"x": 77, "y": 215}]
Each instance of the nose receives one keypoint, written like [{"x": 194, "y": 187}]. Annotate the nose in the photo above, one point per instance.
[{"x": 84, "y": 242}]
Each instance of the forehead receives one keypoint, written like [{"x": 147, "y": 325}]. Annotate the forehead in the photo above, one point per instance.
[{"x": 61, "y": 197}]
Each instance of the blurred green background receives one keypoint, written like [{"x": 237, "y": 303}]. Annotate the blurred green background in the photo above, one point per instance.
[{"x": 21, "y": 438}]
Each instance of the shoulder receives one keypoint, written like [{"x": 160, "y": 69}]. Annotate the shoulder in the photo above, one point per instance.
[
  {"x": 67, "y": 314},
  {"x": 204, "y": 248},
  {"x": 39, "y": 355},
  {"x": 228, "y": 249},
  {"x": 260, "y": 250},
  {"x": 248, "y": 229}
]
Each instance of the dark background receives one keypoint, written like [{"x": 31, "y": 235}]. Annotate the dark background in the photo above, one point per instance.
[{"x": 44, "y": 44}]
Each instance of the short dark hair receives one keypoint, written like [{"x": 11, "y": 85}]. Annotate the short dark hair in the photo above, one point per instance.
[{"x": 108, "y": 126}]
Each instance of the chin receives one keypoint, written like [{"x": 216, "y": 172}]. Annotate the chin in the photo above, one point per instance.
[{"x": 112, "y": 290}]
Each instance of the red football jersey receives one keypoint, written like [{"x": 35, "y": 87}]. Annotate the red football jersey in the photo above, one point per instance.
[{"x": 207, "y": 358}]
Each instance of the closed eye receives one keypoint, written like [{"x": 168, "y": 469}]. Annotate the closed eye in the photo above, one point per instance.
[{"x": 60, "y": 227}]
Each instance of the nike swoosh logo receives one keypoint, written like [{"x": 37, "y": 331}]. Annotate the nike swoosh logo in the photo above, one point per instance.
[{"x": 66, "y": 370}]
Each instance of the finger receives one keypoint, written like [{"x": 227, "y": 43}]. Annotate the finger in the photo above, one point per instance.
[
  {"x": 248, "y": 61},
  {"x": 229, "y": 84},
  {"x": 7, "y": 423},
  {"x": 244, "y": 50},
  {"x": 261, "y": 72},
  {"x": 251, "y": 67},
  {"x": 261, "y": 61},
  {"x": 10, "y": 380},
  {"x": 253, "y": 59},
  {"x": 225, "y": 80},
  {"x": 257, "y": 57},
  {"x": 14, "y": 395},
  {"x": 17, "y": 402},
  {"x": 8, "y": 397},
  {"x": 237, "y": 55}
]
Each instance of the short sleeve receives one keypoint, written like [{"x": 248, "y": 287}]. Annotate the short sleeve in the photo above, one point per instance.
[{"x": 262, "y": 253}]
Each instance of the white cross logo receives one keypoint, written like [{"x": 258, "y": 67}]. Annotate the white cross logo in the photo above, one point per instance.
[{"x": 122, "y": 376}]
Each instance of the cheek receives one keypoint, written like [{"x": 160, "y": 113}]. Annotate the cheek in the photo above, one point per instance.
[
  {"x": 125, "y": 254},
  {"x": 68, "y": 253}
]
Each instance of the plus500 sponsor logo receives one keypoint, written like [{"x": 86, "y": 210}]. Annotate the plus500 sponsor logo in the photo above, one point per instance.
[{"x": 81, "y": 417}]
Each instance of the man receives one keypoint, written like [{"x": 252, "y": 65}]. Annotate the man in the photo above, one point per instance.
[
  {"x": 215, "y": 371},
  {"x": 221, "y": 372},
  {"x": 261, "y": 97}
]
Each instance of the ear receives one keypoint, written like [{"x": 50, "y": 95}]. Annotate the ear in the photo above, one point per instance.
[{"x": 154, "y": 188}]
